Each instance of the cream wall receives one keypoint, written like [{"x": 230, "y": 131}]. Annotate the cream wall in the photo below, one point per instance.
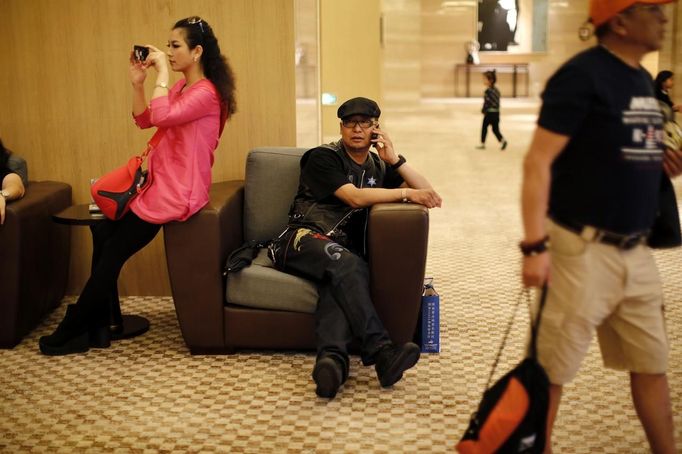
[
  {"x": 424, "y": 42},
  {"x": 402, "y": 31},
  {"x": 350, "y": 57},
  {"x": 66, "y": 96},
  {"x": 444, "y": 33}
]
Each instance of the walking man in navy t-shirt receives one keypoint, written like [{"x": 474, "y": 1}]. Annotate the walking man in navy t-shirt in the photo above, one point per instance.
[{"x": 591, "y": 182}]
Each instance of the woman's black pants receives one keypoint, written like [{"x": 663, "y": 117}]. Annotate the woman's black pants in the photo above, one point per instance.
[{"x": 114, "y": 242}]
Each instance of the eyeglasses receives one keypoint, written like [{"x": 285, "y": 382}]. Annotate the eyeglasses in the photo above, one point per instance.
[
  {"x": 364, "y": 124},
  {"x": 196, "y": 20}
]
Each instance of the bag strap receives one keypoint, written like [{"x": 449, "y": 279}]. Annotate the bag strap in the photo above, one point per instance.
[
  {"x": 153, "y": 142},
  {"x": 534, "y": 328}
]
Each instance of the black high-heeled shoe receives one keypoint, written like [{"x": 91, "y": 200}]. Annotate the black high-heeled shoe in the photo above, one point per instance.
[{"x": 71, "y": 336}]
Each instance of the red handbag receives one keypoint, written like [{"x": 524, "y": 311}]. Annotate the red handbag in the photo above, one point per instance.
[{"x": 114, "y": 191}]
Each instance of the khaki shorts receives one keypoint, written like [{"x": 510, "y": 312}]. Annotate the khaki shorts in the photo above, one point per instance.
[{"x": 597, "y": 287}]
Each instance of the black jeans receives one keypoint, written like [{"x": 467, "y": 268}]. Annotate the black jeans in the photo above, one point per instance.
[
  {"x": 344, "y": 310},
  {"x": 114, "y": 242},
  {"x": 491, "y": 119}
]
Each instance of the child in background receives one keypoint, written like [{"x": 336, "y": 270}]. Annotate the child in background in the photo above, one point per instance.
[{"x": 491, "y": 110}]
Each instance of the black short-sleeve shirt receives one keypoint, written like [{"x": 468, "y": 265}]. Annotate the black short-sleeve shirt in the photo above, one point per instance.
[
  {"x": 324, "y": 172},
  {"x": 609, "y": 173}
]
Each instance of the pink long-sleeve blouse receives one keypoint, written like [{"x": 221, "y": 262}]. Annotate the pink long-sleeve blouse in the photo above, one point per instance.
[{"x": 180, "y": 165}]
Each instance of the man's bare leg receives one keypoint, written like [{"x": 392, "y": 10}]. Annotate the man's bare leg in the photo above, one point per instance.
[
  {"x": 651, "y": 397},
  {"x": 554, "y": 401}
]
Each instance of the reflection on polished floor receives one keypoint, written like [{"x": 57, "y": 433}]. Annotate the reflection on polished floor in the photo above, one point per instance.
[{"x": 149, "y": 395}]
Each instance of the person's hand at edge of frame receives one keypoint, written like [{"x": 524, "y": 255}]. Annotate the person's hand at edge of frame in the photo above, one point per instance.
[{"x": 672, "y": 162}]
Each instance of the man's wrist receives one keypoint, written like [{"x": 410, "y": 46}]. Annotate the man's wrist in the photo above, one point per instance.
[
  {"x": 532, "y": 248},
  {"x": 401, "y": 160}
]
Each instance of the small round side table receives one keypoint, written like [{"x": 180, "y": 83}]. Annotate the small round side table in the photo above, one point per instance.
[{"x": 121, "y": 326}]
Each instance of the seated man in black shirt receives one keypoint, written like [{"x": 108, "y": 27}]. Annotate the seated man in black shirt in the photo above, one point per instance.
[{"x": 325, "y": 242}]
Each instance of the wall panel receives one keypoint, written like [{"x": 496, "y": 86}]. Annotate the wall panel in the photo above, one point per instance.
[
  {"x": 65, "y": 98},
  {"x": 350, "y": 55}
]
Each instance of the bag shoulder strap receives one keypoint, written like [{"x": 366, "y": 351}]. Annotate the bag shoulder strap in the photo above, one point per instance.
[
  {"x": 153, "y": 142},
  {"x": 535, "y": 325}
]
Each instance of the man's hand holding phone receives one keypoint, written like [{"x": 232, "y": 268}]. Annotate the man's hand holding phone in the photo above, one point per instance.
[{"x": 382, "y": 143}]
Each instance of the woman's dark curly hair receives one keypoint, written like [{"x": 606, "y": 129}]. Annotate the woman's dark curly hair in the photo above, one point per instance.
[
  {"x": 215, "y": 65},
  {"x": 491, "y": 76},
  {"x": 661, "y": 78}
]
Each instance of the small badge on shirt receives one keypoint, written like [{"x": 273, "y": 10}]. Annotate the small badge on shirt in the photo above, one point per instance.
[{"x": 371, "y": 181}]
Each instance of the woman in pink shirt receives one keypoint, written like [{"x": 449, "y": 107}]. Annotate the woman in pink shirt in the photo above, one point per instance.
[{"x": 190, "y": 115}]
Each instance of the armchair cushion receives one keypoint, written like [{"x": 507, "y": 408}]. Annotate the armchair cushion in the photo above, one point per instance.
[
  {"x": 271, "y": 183},
  {"x": 261, "y": 286}
]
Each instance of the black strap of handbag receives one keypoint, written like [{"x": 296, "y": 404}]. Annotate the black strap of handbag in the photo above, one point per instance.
[{"x": 534, "y": 328}]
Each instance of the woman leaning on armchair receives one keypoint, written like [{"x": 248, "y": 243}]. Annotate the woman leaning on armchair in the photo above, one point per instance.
[
  {"x": 192, "y": 114},
  {"x": 12, "y": 187}
]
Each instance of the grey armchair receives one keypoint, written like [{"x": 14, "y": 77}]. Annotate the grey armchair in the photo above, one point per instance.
[{"x": 261, "y": 307}]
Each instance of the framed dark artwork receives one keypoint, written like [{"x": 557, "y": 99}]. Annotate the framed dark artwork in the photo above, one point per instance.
[
  {"x": 518, "y": 26},
  {"x": 497, "y": 24}
]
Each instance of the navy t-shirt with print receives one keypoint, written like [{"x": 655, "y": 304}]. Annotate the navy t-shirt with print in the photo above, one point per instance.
[{"x": 609, "y": 173}]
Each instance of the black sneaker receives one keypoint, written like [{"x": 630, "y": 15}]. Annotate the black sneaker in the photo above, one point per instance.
[
  {"x": 328, "y": 377},
  {"x": 504, "y": 144},
  {"x": 393, "y": 360}
]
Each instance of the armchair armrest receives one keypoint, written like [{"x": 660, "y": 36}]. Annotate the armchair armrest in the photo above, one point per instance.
[
  {"x": 196, "y": 250},
  {"x": 398, "y": 241},
  {"x": 34, "y": 259}
]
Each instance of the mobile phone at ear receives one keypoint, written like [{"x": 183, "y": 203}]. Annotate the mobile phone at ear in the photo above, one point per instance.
[
  {"x": 140, "y": 52},
  {"x": 374, "y": 135}
]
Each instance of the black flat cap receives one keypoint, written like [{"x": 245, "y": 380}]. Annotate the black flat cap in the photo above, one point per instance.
[{"x": 358, "y": 106}]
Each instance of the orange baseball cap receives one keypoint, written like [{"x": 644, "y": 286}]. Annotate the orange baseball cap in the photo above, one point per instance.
[{"x": 603, "y": 10}]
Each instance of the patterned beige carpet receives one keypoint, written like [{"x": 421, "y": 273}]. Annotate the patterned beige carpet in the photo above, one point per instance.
[{"x": 149, "y": 395}]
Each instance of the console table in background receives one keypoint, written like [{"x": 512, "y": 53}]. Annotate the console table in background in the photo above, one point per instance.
[{"x": 501, "y": 68}]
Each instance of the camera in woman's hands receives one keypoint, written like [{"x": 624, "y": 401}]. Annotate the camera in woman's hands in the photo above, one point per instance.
[{"x": 140, "y": 53}]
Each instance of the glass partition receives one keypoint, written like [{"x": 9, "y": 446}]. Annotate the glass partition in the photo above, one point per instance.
[{"x": 307, "y": 72}]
